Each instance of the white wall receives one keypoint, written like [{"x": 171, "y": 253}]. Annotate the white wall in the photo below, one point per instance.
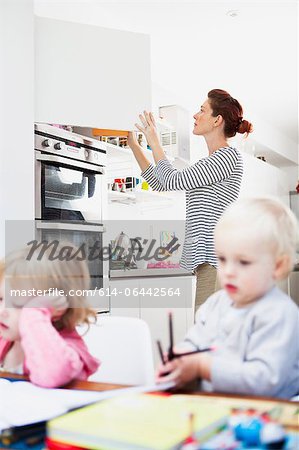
[
  {"x": 260, "y": 178},
  {"x": 17, "y": 112},
  {"x": 274, "y": 139}
]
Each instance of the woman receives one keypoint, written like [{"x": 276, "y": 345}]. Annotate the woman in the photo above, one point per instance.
[{"x": 211, "y": 184}]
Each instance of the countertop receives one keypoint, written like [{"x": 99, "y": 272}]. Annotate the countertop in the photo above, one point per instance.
[{"x": 139, "y": 273}]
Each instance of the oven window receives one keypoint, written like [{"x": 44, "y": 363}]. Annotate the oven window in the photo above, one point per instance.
[
  {"x": 90, "y": 239},
  {"x": 70, "y": 194}
]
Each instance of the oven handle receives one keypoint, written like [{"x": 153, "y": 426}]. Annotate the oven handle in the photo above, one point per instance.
[
  {"x": 80, "y": 164},
  {"x": 69, "y": 226}
]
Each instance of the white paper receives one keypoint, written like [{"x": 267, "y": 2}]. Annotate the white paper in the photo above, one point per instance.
[{"x": 22, "y": 403}]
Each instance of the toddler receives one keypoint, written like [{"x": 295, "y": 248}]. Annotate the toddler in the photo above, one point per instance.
[
  {"x": 38, "y": 334},
  {"x": 253, "y": 325}
]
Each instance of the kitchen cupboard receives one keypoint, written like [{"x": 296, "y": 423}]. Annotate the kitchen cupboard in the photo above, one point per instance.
[
  {"x": 123, "y": 304},
  {"x": 290, "y": 285},
  {"x": 155, "y": 311},
  {"x": 130, "y": 301},
  {"x": 91, "y": 76}
]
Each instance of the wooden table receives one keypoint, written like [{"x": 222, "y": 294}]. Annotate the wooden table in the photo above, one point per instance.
[
  {"x": 288, "y": 417},
  {"x": 95, "y": 386},
  {"x": 83, "y": 385}
]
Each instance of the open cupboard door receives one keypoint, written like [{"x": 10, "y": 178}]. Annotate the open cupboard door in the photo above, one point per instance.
[{"x": 90, "y": 76}]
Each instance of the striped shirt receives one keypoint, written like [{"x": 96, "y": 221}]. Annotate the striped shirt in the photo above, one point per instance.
[{"x": 211, "y": 184}]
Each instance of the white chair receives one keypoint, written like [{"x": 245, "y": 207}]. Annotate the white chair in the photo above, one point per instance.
[{"x": 123, "y": 345}]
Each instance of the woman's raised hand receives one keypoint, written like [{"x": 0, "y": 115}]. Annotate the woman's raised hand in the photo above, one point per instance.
[
  {"x": 148, "y": 128},
  {"x": 132, "y": 140}
]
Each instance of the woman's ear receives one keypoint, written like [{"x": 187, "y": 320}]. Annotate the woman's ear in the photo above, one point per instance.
[
  {"x": 282, "y": 267},
  {"x": 218, "y": 120}
]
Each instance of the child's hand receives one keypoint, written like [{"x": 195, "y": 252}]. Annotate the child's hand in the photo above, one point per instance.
[
  {"x": 56, "y": 304},
  {"x": 175, "y": 351},
  {"x": 185, "y": 369}
]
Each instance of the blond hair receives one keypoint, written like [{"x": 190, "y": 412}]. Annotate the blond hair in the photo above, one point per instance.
[
  {"x": 45, "y": 272},
  {"x": 270, "y": 219}
]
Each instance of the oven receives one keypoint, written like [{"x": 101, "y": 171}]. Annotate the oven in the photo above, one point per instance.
[{"x": 71, "y": 197}]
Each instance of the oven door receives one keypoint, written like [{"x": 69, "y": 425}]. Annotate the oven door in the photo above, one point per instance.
[
  {"x": 68, "y": 190},
  {"x": 92, "y": 237}
]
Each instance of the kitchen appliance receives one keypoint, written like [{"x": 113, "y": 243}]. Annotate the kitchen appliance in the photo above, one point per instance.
[
  {"x": 122, "y": 242},
  {"x": 71, "y": 196},
  {"x": 69, "y": 176},
  {"x": 125, "y": 252},
  {"x": 121, "y": 257}
]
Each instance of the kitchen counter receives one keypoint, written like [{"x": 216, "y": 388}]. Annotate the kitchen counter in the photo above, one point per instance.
[{"x": 141, "y": 273}]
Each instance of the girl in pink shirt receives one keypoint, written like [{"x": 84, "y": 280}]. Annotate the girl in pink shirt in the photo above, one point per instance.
[{"x": 38, "y": 334}]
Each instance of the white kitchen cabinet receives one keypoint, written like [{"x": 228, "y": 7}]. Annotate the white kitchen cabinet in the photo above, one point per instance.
[
  {"x": 90, "y": 76},
  {"x": 122, "y": 303},
  {"x": 290, "y": 286},
  {"x": 294, "y": 286},
  {"x": 154, "y": 308}
]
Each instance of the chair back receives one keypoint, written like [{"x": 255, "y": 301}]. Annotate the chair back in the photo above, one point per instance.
[{"x": 123, "y": 345}]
